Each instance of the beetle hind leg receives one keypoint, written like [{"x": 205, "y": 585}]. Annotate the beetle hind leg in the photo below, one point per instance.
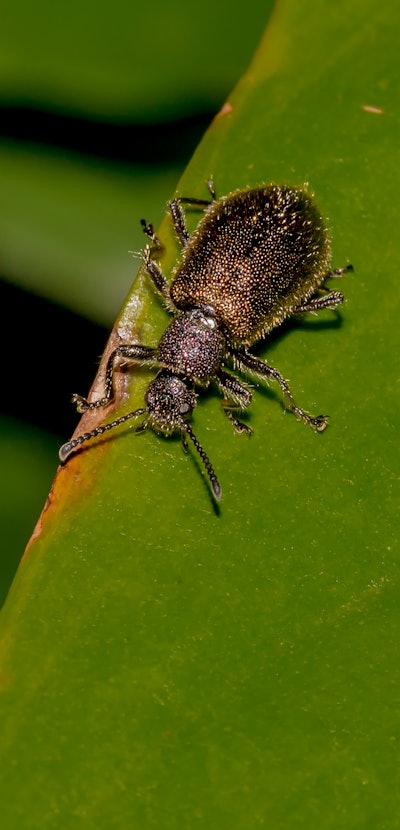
[
  {"x": 326, "y": 298},
  {"x": 328, "y": 301},
  {"x": 338, "y": 273}
]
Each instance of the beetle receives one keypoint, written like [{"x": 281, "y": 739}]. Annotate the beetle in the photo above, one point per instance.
[{"x": 257, "y": 257}]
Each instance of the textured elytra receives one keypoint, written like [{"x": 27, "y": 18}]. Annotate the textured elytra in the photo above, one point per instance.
[{"x": 255, "y": 255}]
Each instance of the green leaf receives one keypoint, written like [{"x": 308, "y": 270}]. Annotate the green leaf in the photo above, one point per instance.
[
  {"x": 67, "y": 224},
  {"x": 168, "y": 664},
  {"x": 27, "y": 468},
  {"x": 160, "y": 61}
]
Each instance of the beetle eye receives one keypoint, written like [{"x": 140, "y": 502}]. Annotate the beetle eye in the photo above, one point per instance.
[{"x": 210, "y": 322}]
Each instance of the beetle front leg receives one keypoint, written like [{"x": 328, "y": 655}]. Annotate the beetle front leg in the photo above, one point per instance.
[
  {"x": 178, "y": 214},
  {"x": 129, "y": 353},
  {"x": 179, "y": 221},
  {"x": 148, "y": 229},
  {"x": 155, "y": 272}
]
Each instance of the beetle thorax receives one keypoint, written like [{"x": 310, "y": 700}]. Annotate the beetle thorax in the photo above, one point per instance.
[{"x": 193, "y": 345}]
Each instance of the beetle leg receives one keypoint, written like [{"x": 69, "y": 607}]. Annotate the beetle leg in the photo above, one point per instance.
[
  {"x": 138, "y": 354},
  {"x": 179, "y": 221},
  {"x": 155, "y": 272},
  {"x": 238, "y": 425},
  {"x": 339, "y": 272},
  {"x": 178, "y": 215},
  {"x": 150, "y": 232},
  {"x": 210, "y": 185},
  {"x": 244, "y": 360},
  {"x": 330, "y": 300},
  {"x": 236, "y": 396}
]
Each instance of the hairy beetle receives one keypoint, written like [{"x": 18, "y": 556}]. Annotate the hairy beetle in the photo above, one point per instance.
[{"x": 257, "y": 257}]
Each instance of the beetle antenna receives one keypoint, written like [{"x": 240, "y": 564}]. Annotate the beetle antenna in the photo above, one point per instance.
[
  {"x": 215, "y": 485},
  {"x": 67, "y": 449}
]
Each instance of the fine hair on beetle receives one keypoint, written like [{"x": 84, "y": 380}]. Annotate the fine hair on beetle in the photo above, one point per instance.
[{"x": 257, "y": 257}]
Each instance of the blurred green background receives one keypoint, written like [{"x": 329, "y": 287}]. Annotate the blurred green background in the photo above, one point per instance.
[{"x": 101, "y": 109}]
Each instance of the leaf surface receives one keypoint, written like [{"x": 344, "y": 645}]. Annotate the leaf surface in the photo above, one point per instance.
[{"x": 169, "y": 664}]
